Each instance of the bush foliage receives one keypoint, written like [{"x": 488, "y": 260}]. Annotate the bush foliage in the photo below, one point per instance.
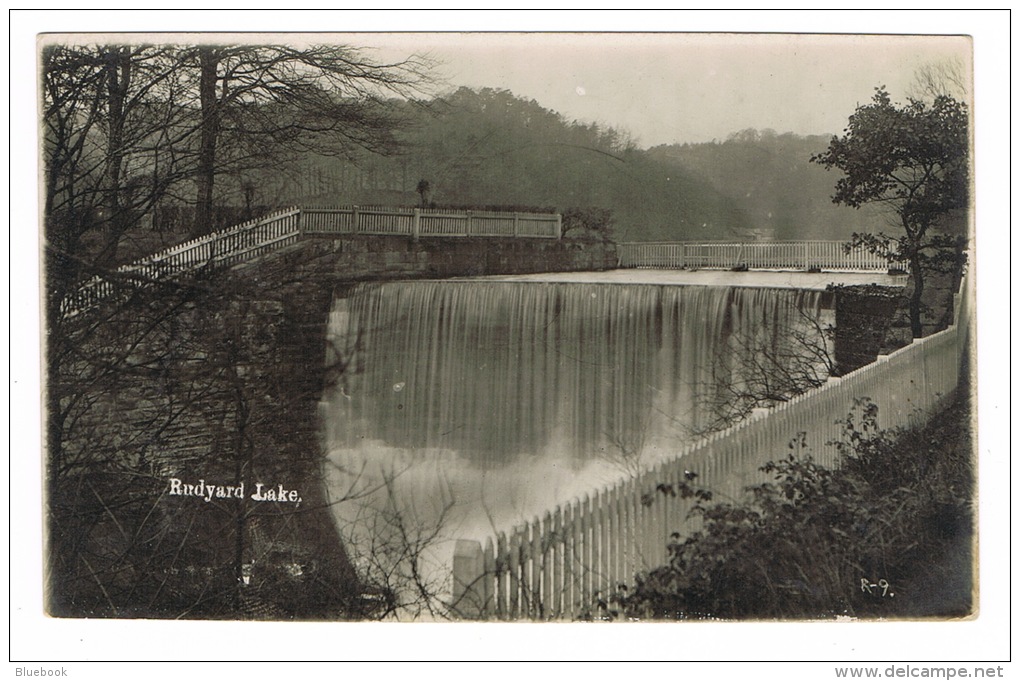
[{"x": 887, "y": 534}]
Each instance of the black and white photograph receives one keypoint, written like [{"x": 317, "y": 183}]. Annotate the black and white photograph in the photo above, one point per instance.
[{"x": 449, "y": 327}]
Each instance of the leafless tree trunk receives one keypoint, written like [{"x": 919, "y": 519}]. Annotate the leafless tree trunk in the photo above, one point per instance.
[{"x": 209, "y": 58}]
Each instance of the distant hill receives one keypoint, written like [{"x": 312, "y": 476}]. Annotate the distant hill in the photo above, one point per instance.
[
  {"x": 771, "y": 181},
  {"x": 490, "y": 147}
]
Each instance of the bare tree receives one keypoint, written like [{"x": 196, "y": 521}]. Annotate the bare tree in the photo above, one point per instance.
[
  {"x": 105, "y": 111},
  {"x": 264, "y": 103},
  {"x": 398, "y": 549},
  {"x": 945, "y": 78},
  {"x": 172, "y": 379},
  {"x": 184, "y": 384},
  {"x": 112, "y": 139},
  {"x": 754, "y": 373},
  {"x": 626, "y": 443}
]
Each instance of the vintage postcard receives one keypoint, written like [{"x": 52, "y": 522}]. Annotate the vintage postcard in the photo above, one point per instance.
[{"x": 508, "y": 327}]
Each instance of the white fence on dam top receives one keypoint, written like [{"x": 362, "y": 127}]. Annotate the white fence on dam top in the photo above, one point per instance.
[
  {"x": 276, "y": 230},
  {"x": 800, "y": 255},
  {"x": 284, "y": 227},
  {"x": 428, "y": 222},
  {"x": 552, "y": 567}
]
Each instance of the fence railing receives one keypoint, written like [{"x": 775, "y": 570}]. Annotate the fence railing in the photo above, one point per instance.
[
  {"x": 256, "y": 237},
  {"x": 800, "y": 255},
  {"x": 226, "y": 247},
  {"x": 429, "y": 222},
  {"x": 552, "y": 567}
]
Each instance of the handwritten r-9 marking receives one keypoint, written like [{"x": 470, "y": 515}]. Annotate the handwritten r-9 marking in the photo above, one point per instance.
[{"x": 869, "y": 587}]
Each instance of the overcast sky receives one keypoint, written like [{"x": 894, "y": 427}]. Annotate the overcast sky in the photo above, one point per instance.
[
  {"x": 662, "y": 88},
  {"x": 666, "y": 88}
]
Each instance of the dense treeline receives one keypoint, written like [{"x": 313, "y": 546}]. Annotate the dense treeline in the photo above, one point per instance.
[
  {"x": 492, "y": 148},
  {"x": 489, "y": 147},
  {"x": 362, "y": 145},
  {"x": 770, "y": 180}
]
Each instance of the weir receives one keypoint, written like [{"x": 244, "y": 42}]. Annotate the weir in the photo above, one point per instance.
[{"x": 463, "y": 407}]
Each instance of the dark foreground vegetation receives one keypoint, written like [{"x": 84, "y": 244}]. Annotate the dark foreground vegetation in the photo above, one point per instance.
[{"x": 889, "y": 534}]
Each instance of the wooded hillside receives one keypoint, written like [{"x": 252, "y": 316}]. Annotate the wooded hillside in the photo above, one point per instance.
[{"x": 489, "y": 147}]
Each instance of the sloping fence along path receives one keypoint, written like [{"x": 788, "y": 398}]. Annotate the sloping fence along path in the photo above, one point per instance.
[
  {"x": 282, "y": 228},
  {"x": 551, "y": 567}
]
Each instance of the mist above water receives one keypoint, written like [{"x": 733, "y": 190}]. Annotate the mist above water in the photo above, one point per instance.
[{"x": 476, "y": 405}]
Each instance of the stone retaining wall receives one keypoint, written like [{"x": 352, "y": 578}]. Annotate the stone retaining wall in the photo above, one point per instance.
[{"x": 217, "y": 380}]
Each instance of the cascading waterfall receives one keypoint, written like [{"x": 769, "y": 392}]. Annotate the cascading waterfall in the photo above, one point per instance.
[{"x": 478, "y": 404}]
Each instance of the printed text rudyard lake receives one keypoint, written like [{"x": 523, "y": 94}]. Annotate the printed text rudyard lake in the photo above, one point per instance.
[{"x": 209, "y": 491}]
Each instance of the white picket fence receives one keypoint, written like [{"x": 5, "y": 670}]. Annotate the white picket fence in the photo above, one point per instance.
[
  {"x": 427, "y": 222},
  {"x": 234, "y": 244},
  {"x": 284, "y": 227},
  {"x": 552, "y": 567},
  {"x": 797, "y": 255}
]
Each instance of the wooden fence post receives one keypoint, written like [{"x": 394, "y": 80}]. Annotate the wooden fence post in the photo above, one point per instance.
[
  {"x": 468, "y": 579},
  {"x": 354, "y": 219},
  {"x": 514, "y": 607},
  {"x": 559, "y": 226},
  {"x": 416, "y": 224},
  {"x": 502, "y": 569},
  {"x": 489, "y": 594},
  {"x": 517, "y": 224}
]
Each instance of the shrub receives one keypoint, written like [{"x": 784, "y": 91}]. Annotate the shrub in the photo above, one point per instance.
[
  {"x": 592, "y": 224},
  {"x": 888, "y": 534}
]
